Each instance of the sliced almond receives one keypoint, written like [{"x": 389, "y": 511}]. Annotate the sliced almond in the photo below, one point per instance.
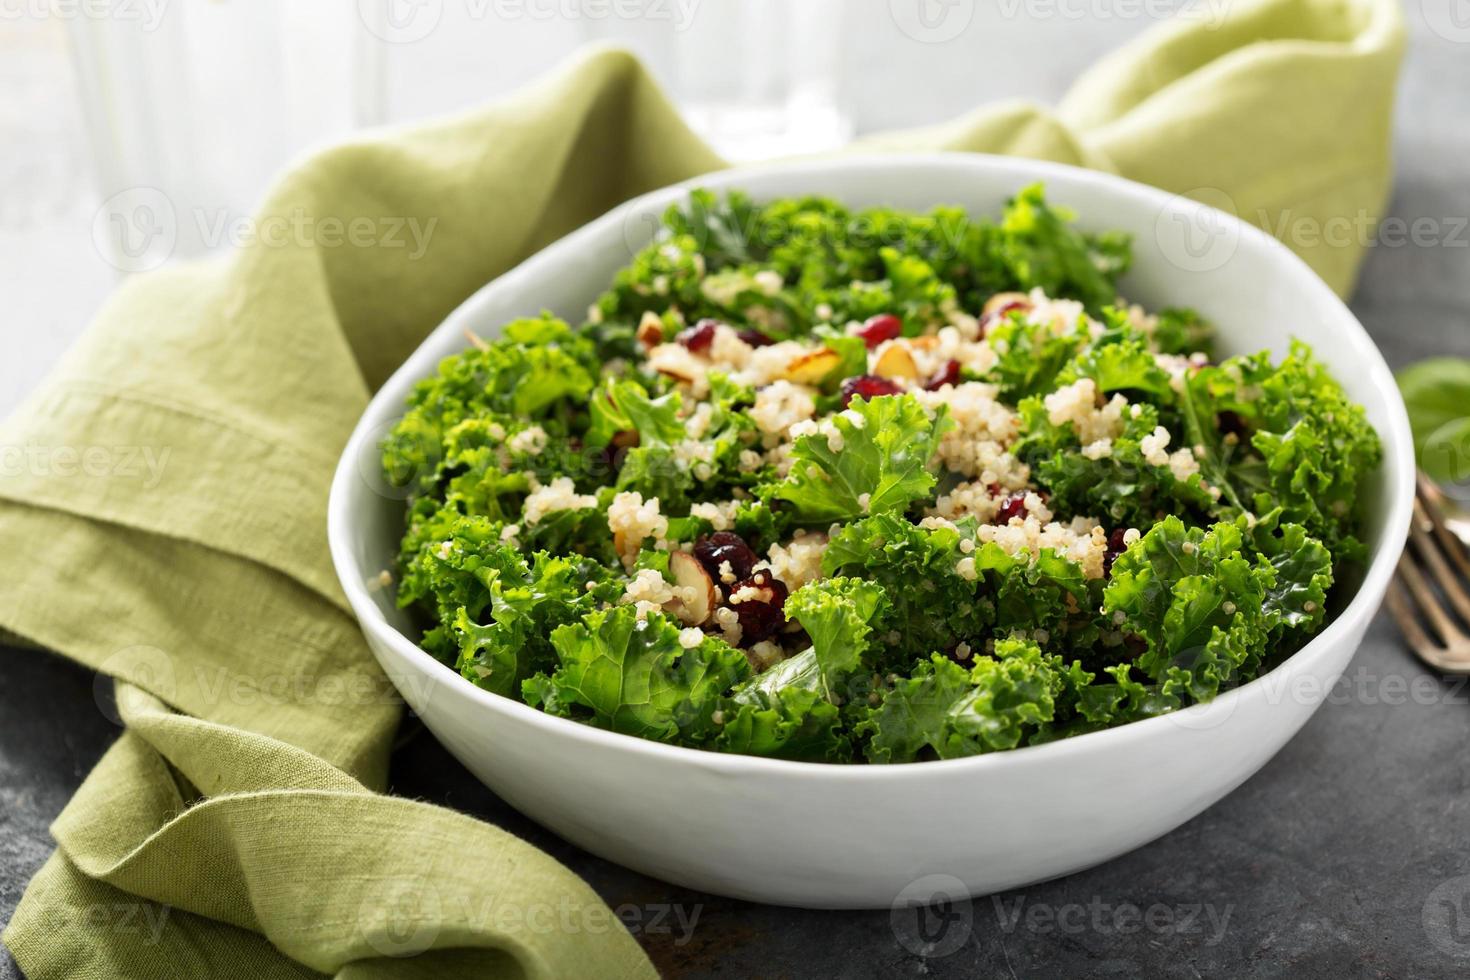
[
  {"x": 927, "y": 342},
  {"x": 1001, "y": 300},
  {"x": 674, "y": 361},
  {"x": 896, "y": 364},
  {"x": 650, "y": 330},
  {"x": 677, "y": 375},
  {"x": 812, "y": 367},
  {"x": 699, "y": 596},
  {"x": 621, "y": 542}
]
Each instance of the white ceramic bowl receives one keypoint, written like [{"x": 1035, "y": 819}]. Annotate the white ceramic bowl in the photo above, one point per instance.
[{"x": 856, "y": 836}]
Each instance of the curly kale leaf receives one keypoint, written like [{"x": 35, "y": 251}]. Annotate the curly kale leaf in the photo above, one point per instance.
[
  {"x": 1121, "y": 488},
  {"x": 1041, "y": 248},
  {"x": 881, "y": 466},
  {"x": 1124, "y": 365},
  {"x": 626, "y": 406},
  {"x": 633, "y": 676},
  {"x": 520, "y": 377},
  {"x": 1031, "y": 355},
  {"x": 525, "y": 604},
  {"x": 1043, "y": 592},
  {"x": 998, "y": 703},
  {"x": 931, "y": 606},
  {"x": 837, "y": 613},
  {"x": 1306, "y": 447},
  {"x": 1296, "y": 591},
  {"x": 1179, "y": 330},
  {"x": 784, "y": 713}
]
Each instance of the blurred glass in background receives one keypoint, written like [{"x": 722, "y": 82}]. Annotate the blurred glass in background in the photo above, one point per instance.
[
  {"x": 192, "y": 106},
  {"x": 758, "y": 78}
]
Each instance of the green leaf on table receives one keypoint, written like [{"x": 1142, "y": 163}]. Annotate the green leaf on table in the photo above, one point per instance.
[{"x": 1437, "y": 394}]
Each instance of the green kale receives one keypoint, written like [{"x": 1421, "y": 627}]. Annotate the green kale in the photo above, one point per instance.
[
  {"x": 953, "y": 711},
  {"x": 633, "y": 676},
  {"x": 1040, "y": 247},
  {"x": 1031, "y": 355},
  {"x": 881, "y": 465},
  {"x": 931, "y": 607},
  {"x": 837, "y": 613},
  {"x": 1306, "y": 447}
]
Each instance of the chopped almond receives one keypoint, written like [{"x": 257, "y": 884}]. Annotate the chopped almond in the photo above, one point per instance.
[
  {"x": 689, "y": 575},
  {"x": 1001, "y": 300},
  {"x": 650, "y": 330},
  {"x": 812, "y": 367},
  {"x": 896, "y": 364}
]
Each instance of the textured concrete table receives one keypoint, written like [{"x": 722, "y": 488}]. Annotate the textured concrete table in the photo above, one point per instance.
[{"x": 1347, "y": 856}]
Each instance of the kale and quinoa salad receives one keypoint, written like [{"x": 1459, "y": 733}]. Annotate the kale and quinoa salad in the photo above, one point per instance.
[{"x": 838, "y": 485}]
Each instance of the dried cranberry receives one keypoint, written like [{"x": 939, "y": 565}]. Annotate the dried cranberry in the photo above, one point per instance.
[
  {"x": 760, "y": 614},
  {"x": 876, "y": 329},
  {"x": 1115, "y": 548},
  {"x": 1012, "y": 506},
  {"x": 993, "y": 489},
  {"x": 721, "y": 547},
  {"x": 996, "y": 315},
  {"x": 947, "y": 375},
  {"x": 1228, "y": 422},
  {"x": 699, "y": 337},
  {"x": 869, "y": 386},
  {"x": 754, "y": 338}
]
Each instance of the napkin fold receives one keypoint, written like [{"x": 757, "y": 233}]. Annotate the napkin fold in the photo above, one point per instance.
[{"x": 167, "y": 524}]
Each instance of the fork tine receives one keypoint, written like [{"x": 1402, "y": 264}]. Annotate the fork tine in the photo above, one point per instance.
[
  {"x": 1447, "y": 580},
  {"x": 1399, "y": 608},
  {"x": 1424, "y": 597},
  {"x": 1427, "y": 497},
  {"x": 1440, "y": 659}
]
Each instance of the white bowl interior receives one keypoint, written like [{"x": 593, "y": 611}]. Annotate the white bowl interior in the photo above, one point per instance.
[{"x": 1253, "y": 289}]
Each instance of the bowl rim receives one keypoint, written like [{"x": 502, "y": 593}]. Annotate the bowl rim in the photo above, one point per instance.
[{"x": 1398, "y": 462}]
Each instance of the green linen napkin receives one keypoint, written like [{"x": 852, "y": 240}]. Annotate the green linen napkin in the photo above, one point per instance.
[{"x": 168, "y": 526}]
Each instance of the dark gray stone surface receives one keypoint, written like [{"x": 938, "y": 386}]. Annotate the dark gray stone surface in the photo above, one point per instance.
[{"x": 1348, "y": 855}]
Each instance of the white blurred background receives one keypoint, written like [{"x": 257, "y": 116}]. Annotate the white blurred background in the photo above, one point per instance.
[{"x": 205, "y": 100}]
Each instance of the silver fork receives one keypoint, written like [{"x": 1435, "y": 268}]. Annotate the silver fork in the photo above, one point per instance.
[{"x": 1436, "y": 552}]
